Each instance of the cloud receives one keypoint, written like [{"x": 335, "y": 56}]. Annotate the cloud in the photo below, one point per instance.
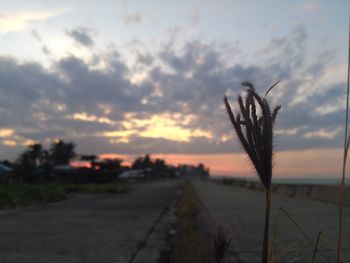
[
  {"x": 81, "y": 35},
  {"x": 132, "y": 19},
  {"x": 176, "y": 106},
  {"x": 322, "y": 133},
  {"x": 6, "y": 132},
  {"x": 310, "y": 6},
  {"x": 18, "y": 21}
]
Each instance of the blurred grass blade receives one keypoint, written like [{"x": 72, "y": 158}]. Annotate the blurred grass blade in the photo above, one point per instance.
[
  {"x": 342, "y": 183},
  {"x": 302, "y": 231},
  {"x": 316, "y": 247}
]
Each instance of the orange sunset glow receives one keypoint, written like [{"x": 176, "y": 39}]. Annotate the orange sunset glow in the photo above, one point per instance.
[{"x": 320, "y": 163}]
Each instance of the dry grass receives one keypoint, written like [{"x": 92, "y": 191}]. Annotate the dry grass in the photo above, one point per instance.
[
  {"x": 222, "y": 243},
  {"x": 255, "y": 133},
  {"x": 191, "y": 246},
  {"x": 320, "y": 237}
]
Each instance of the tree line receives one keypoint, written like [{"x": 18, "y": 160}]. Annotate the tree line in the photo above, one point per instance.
[{"x": 37, "y": 164}]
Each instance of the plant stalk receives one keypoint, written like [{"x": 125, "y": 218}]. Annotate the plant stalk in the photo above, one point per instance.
[
  {"x": 265, "y": 249},
  {"x": 316, "y": 247},
  {"x": 342, "y": 183}
]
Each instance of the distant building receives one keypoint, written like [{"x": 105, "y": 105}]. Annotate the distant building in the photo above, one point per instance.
[
  {"x": 131, "y": 174},
  {"x": 6, "y": 173}
]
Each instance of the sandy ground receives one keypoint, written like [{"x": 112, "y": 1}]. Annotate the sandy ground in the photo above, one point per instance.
[
  {"x": 241, "y": 211},
  {"x": 89, "y": 228}
]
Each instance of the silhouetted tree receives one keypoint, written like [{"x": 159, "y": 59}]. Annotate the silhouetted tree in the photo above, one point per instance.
[
  {"x": 61, "y": 152},
  {"x": 91, "y": 158},
  {"x": 160, "y": 166},
  {"x": 142, "y": 163},
  {"x": 32, "y": 157},
  {"x": 110, "y": 165},
  {"x": 202, "y": 171},
  {"x": 191, "y": 170},
  {"x": 29, "y": 161},
  {"x": 46, "y": 162}
]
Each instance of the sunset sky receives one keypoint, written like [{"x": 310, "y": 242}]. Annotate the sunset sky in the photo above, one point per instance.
[{"x": 133, "y": 77}]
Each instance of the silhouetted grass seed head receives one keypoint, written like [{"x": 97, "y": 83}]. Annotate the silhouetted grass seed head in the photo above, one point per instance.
[{"x": 253, "y": 125}]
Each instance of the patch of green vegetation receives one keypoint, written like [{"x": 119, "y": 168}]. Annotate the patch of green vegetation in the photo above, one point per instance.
[
  {"x": 190, "y": 246},
  {"x": 97, "y": 188},
  {"x": 13, "y": 196}
]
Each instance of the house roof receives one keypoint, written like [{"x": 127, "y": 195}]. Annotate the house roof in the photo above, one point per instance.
[{"x": 4, "y": 168}]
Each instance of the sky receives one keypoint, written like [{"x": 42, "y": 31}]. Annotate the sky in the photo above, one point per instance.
[{"x": 126, "y": 78}]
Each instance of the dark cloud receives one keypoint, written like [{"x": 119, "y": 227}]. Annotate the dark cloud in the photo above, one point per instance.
[
  {"x": 77, "y": 100},
  {"x": 82, "y": 35},
  {"x": 145, "y": 59}
]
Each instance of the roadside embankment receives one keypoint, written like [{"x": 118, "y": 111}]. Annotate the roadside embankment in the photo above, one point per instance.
[{"x": 324, "y": 193}]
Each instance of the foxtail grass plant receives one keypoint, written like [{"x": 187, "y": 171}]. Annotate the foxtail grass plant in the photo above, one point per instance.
[
  {"x": 345, "y": 154},
  {"x": 253, "y": 126}
]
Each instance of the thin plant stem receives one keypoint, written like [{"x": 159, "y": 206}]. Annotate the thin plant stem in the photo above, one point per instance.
[
  {"x": 316, "y": 247},
  {"x": 266, "y": 250},
  {"x": 303, "y": 232},
  {"x": 342, "y": 183},
  {"x": 267, "y": 92},
  {"x": 296, "y": 224}
]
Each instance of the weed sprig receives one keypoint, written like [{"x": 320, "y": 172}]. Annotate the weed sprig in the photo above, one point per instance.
[{"x": 255, "y": 133}]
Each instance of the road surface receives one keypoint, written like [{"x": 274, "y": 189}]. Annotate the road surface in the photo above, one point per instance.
[
  {"x": 90, "y": 228},
  {"x": 241, "y": 211}
]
